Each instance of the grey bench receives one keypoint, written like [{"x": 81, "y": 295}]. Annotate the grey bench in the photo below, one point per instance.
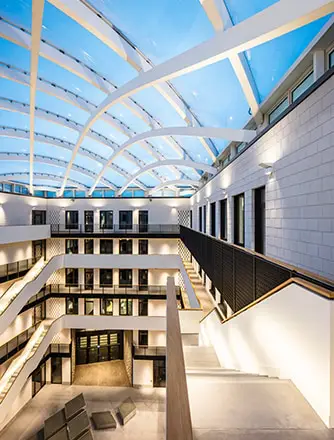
[
  {"x": 74, "y": 406},
  {"x": 54, "y": 423},
  {"x": 103, "y": 420},
  {"x": 78, "y": 425},
  {"x": 60, "y": 435},
  {"x": 127, "y": 410}
]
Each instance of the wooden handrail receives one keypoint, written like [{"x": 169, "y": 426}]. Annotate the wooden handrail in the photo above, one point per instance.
[
  {"x": 178, "y": 419},
  {"x": 317, "y": 290}
]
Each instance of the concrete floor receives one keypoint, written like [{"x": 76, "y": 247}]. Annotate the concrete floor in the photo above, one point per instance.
[
  {"x": 240, "y": 407},
  {"x": 148, "y": 423},
  {"x": 110, "y": 373}
]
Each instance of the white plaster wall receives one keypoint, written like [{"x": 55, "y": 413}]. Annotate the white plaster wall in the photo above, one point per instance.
[
  {"x": 10, "y": 253},
  {"x": 300, "y": 196},
  {"x": 66, "y": 371},
  {"x": 157, "y": 339},
  {"x": 162, "y": 246},
  {"x": 143, "y": 373},
  {"x": 157, "y": 307},
  {"x": 288, "y": 336},
  {"x": 158, "y": 277}
]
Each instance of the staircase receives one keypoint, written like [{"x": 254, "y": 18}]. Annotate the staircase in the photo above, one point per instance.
[
  {"x": 16, "y": 366},
  {"x": 203, "y": 296}
]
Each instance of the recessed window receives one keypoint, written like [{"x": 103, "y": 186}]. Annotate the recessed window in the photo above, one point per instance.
[
  {"x": 223, "y": 219},
  {"x": 38, "y": 217},
  {"x": 106, "y": 278},
  {"x": 331, "y": 59},
  {"x": 200, "y": 219},
  {"x": 89, "y": 307},
  {"x": 278, "y": 110},
  {"x": 89, "y": 246},
  {"x": 106, "y": 306},
  {"x": 239, "y": 220},
  {"x": 213, "y": 218},
  {"x": 125, "y": 247},
  {"x": 71, "y": 246},
  {"x": 143, "y": 337},
  {"x": 106, "y": 219},
  {"x": 204, "y": 219},
  {"x": 143, "y": 307},
  {"x": 125, "y": 277},
  {"x": 106, "y": 246},
  {"x": 71, "y": 219},
  {"x": 125, "y": 306},
  {"x": 143, "y": 247},
  {"x": 302, "y": 87},
  {"x": 71, "y": 277},
  {"x": 72, "y": 306},
  {"x": 125, "y": 219}
]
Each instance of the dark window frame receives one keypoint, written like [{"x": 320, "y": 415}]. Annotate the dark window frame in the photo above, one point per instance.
[
  {"x": 128, "y": 223},
  {"x": 106, "y": 219},
  {"x": 103, "y": 306},
  {"x": 129, "y": 306},
  {"x": 101, "y": 276},
  {"x": 239, "y": 208},
  {"x": 71, "y": 223},
  {"x": 125, "y": 246},
  {"x": 143, "y": 337},
  {"x": 86, "y": 242},
  {"x": 143, "y": 246},
  {"x": 74, "y": 248},
  {"x": 223, "y": 219},
  {"x": 106, "y": 245},
  {"x": 75, "y": 302}
]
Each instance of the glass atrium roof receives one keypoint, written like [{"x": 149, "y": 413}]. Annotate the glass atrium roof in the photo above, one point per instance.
[{"x": 62, "y": 60}]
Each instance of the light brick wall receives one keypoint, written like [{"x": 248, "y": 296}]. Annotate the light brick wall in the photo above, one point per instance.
[{"x": 300, "y": 196}]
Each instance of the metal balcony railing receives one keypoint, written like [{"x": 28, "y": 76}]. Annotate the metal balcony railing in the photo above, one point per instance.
[
  {"x": 18, "y": 269},
  {"x": 111, "y": 229},
  {"x": 16, "y": 344},
  {"x": 148, "y": 351}
]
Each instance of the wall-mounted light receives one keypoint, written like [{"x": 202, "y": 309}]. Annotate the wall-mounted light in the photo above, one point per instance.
[{"x": 269, "y": 169}]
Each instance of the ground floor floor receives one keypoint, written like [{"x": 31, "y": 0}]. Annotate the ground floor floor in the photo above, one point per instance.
[{"x": 148, "y": 424}]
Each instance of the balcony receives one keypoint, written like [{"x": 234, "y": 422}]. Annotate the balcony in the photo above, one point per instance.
[
  {"x": 145, "y": 352},
  {"x": 97, "y": 291},
  {"x": 117, "y": 231}
]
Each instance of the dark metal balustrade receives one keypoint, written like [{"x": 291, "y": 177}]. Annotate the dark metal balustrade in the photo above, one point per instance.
[
  {"x": 148, "y": 352},
  {"x": 76, "y": 229},
  {"x": 18, "y": 269},
  {"x": 16, "y": 344},
  {"x": 240, "y": 275}
]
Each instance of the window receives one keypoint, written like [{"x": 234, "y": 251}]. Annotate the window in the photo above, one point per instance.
[
  {"x": 38, "y": 217},
  {"x": 204, "y": 219},
  {"x": 106, "y": 306},
  {"x": 106, "y": 278},
  {"x": 72, "y": 306},
  {"x": 302, "y": 87},
  {"x": 125, "y": 219},
  {"x": 259, "y": 219},
  {"x": 213, "y": 218},
  {"x": 56, "y": 370},
  {"x": 143, "y": 307},
  {"x": 125, "y": 246},
  {"x": 143, "y": 337},
  {"x": 278, "y": 110},
  {"x": 331, "y": 59},
  {"x": 71, "y": 277},
  {"x": 89, "y": 221},
  {"x": 143, "y": 221},
  {"x": 89, "y": 307},
  {"x": 143, "y": 247},
  {"x": 125, "y": 306},
  {"x": 89, "y": 246},
  {"x": 125, "y": 277},
  {"x": 106, "y": 246},
  {"x": 71, "y": 246},
  {"x": 239, "y": 220},
  {"x": 71, "y": 219},
  {"x": 223, "y": 219},
  {"x": 191, "y": 219},
  {"x": 200, "y": 219},
  {"x": 106, "y": 219}
]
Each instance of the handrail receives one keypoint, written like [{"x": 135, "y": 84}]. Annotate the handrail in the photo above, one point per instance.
[
  {"x": 16, "y": 269},
  {"x": 16, "y": 344},
  {"x": 149, "y": 350},
  {"x": 113, "y": 229},
  {"x": 178, "y": 418}
]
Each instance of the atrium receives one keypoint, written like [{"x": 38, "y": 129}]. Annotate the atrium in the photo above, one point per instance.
[{"x": 166, "y": 219}]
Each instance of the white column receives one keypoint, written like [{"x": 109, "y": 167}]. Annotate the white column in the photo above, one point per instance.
[{"x": 319, "y": 63}]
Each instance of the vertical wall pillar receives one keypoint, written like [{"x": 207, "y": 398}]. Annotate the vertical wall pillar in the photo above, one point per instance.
[{"x": 319, "y": 63}]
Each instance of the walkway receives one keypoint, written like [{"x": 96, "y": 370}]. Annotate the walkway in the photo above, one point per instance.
[
  {"x": 109, "y": 373},
  {"x": 200, "y": 291}
]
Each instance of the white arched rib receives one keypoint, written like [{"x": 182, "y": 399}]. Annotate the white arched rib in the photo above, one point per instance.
[
  {"x": 37, "y": 20},
  {"x": 194, "y": 183},
  {"x": 278, "y": 19},
  {"x": 162, "y": 163},
  {"x": 220, "y": 18},
  {"x": 40, "y": 176},
  {"x": 17, "y": 133},
  {"x": 230, "y": 134}
]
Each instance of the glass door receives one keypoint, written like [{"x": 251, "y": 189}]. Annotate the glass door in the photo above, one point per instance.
[
  {"x": 89, "y": 221},
  {"x": 38, "y": 249},
  {"x": 159, "y": 373},
  {"x": 143, "y": 279},
  {"x": 56, "y": 370},
  {"x": 260, "y": 219},
  {"x": 143, "y": 221}
]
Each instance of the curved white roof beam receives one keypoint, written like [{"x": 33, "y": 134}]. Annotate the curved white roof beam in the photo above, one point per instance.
[
  {"x": 230, "y": 134},
  {"x": 41, "y": 176},
  {"x": 22, "y": 77},
  {"x": 194, "y": 183},
  {"x": 279, "y": 19},
  {"x": 93, "y": 21},
  {"x": 36, "y": 27},
  {"x": 220, "y": 18},
  {"x": 22, "y": 157},
  {"x": 22, "y": 38},
  {"x": 179, "y": 162},
  {"x": 17, "y": 133}
]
